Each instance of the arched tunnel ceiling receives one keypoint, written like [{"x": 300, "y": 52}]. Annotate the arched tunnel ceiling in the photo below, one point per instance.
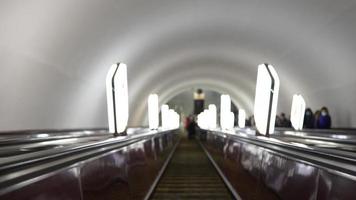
[{"x": 54, "y": 55}]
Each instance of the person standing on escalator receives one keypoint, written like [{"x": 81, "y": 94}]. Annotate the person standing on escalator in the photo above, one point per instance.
[
  {"x": 308, "y": 118},
  {"x": 191, "y": 128},
  {"x": 324, "y": 120}
]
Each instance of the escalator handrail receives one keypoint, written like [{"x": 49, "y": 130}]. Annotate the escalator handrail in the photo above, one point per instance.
[
  {"x": 334, "y": 152},
  {"x": 13, "y": 161},
  {"x": 21, "y": 137},
  {"x": 16, "y": 176},
  {"x": 309, "y": 156}
]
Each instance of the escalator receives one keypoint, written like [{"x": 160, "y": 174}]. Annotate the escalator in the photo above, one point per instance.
[
  {"x": 304, "y": 165},
  {"x": 190, "y": 175},
  {"x": 157, "y": 164},
  {"x": 82, "y": 164}
]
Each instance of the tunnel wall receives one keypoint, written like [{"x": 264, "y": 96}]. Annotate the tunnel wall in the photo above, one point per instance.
[{"x": 54, "y": 56}]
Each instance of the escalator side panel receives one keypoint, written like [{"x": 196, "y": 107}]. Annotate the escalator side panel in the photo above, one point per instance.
[
  {"x": 237, "y": 164},
  {"x": 332, "y": 186},
  {"x": 105, "y": 177},
  {"x": 143, "y": 168},
  {"x": 259, "y": 173},
  {"x": 63, "y": 185},
  {"x": 251, "y": 157},
  {"x": 288, "y": 178},
  {"x": 129, "y": 173},
  {"x": 125, "y": 173}
]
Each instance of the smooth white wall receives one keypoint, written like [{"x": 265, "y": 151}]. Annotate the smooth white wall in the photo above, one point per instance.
[{"x": 54, "y": 55}]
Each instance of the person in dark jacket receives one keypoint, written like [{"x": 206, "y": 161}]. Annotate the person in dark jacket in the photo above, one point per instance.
[
  {"x": 285, "y": 122},
  {"x": 192, "y": 128},
  {"x": 324, "y": 121},
  {"x": 316, "y": 119},
  {"x": 308, "y": 118}
]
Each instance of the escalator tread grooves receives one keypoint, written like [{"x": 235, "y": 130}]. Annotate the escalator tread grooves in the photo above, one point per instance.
[{"x": 190, "y": 175}]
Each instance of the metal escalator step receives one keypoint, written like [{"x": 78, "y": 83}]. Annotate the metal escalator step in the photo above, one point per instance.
[
  {"x": 196, "y": 185},
  {"x": 192, "y": 196},
  {"x": 191, "y": 190},
  {"x": 190, "y": 175}
]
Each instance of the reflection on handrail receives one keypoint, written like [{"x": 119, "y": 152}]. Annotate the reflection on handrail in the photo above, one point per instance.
[{"x": 321, "y": 153}]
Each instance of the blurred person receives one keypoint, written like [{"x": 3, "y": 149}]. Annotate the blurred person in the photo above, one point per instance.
[
  {"x": 316, "y": 119},
  {"x": 289, "y": 122},
  {"x": 285, "y": 122},
  {"x": 248, "y": 122},
  {"x": 278, "y": 122},
  {"x": 186, "y": 123},
  {"x": 308, "y": 118},
  {"x": 192, "y": 128},
  {"x": 252, "y": 121},
  {"x": 324, "y": 121}
]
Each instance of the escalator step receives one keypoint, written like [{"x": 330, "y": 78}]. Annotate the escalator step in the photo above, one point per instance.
[{"x": 190, "y": 175}]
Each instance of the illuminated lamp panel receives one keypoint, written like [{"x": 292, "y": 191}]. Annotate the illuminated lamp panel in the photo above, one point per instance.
[
  {"x": 212, "y": 116},
  {"x": 225, "y": 109},
  {"x": 297, "y": 112},
  {"x": 266, "y": 99},
  {"x": 242, "y": 118},
  {"x": 117, "y": 98},
  {"x": 153, "y": 111}
]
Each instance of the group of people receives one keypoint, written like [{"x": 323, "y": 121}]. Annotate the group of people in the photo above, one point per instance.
[
  {"x": 283, "y": 121},
  {"x": 319, "y": 120}
]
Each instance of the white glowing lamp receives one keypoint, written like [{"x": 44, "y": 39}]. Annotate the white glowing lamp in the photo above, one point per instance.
[
  {"x": 117, "y": 98},
  {"x": 171, "y": 118},
  {"x": 230, "y": 121},
  {"x": 242, "y": 118},
  {"x": 208, "y": 118},
  {"x": 266, "y": 98},
  {"x": 176, "y": 120},
  {"x": 200, "y": 120},
  {"x": 165, "y": 116},
  {"x": 212, "y": 113},
  {"x": 297, "y": 112},
  {"x": 153, "y": 112},
  {"x": 204, "y": 119},
  {"x": 177, "y": 124},
  {"x": 225, "y": 109}
]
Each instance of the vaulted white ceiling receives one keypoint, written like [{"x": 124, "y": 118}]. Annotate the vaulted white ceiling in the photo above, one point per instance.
[{"x": 54, "y": 55}]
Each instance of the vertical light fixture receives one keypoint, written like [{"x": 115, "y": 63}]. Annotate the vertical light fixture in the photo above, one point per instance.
[
  {"x": 199, "y": 120},
  {"x": 175, "y": 121},
  {"x": 171, "y": 118},
  {"x": 297, "y": 112},
  {"x": 117, "y": 98},
  {"x": 242, "y": 118},
  {"x": 225, "y": 109},
  {"x": 153, "y": 112},
  {"x": 212, "y": 113},
  {"x": 266, "y": 99},
  {"x": 230, "y": 118},
  {"x": 165, "y": 116},
  {"x": 204, "y": 119}
]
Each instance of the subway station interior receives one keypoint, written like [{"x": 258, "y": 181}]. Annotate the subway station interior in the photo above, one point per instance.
[{"x": 139, "y": 100}]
